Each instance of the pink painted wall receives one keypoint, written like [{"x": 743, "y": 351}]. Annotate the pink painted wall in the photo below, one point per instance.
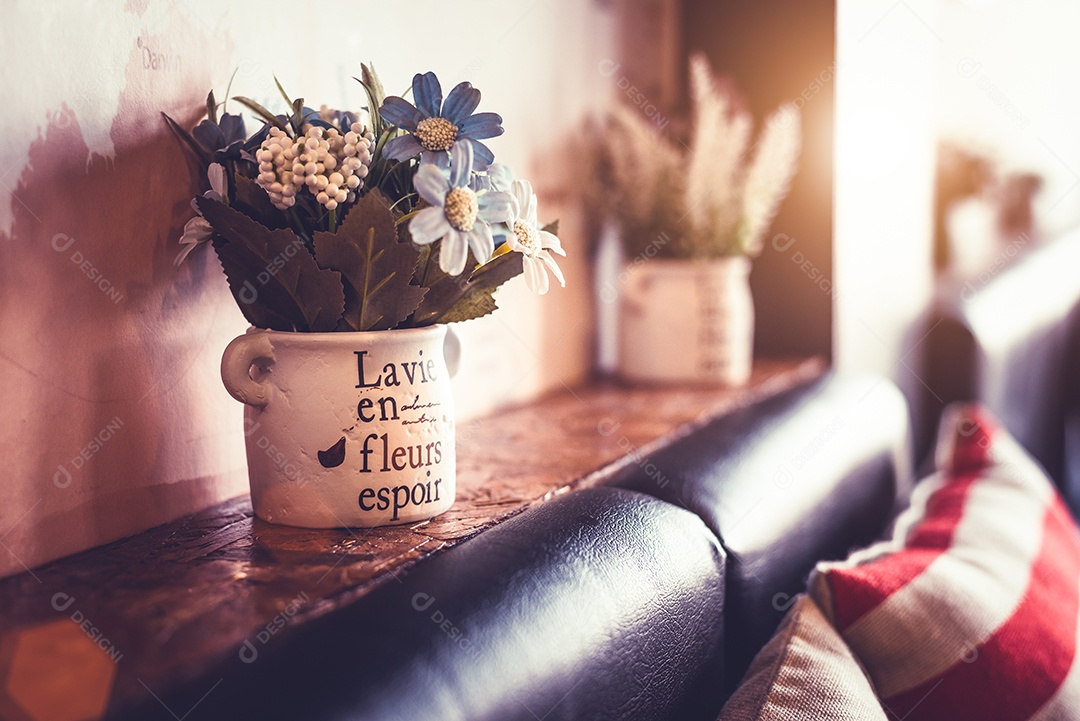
[{"x": 114, "y": 419}]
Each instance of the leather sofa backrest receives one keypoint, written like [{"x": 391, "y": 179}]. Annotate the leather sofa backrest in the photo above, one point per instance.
[
  {"x": 599, "y": 604},
  {"x": 1008, "y": 338},
  {"x": 807, "y": 475}
]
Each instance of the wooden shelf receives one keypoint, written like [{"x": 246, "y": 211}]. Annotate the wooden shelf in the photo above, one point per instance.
[{"x": 179, "y": 597}]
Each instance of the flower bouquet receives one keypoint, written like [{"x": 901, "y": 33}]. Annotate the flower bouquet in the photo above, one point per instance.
[
  {"x": 388, "y": 206},
  {"x": 349, "y": 240}
]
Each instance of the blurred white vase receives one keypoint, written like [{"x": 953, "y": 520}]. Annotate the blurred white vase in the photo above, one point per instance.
[{"x": 687, "y": 321}]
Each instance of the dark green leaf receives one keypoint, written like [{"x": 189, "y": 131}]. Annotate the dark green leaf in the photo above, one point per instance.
[
  {"x": 442, "y": 290},
  {"x": 252, "y": 201},
  {"x": 273, "y": 277},
  {"x": 552, "y": 227},
  {"x": 376, "y": 268},
  {"x": 260, "y": 111},
  {"x": 187, "y": 140},
  {"x": 477, "y": 300},
  {"x": 211, "y": 107},
  {"x": 451, "y": 299}
]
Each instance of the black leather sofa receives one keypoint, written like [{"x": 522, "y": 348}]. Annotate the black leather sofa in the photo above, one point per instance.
[
  {"x": 1010, "y": 338},
  {"x": 805, "y": 476},
  {"x": 628, "y": 602}
]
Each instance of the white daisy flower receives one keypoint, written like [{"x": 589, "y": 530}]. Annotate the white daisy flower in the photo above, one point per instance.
[
  {"x": 535, "y": 244},
  {"x": 458, "y": 215}
]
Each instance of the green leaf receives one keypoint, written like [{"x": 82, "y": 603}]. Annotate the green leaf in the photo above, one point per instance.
[
  {"x": 228, "y": 89},
  {"x": 273, "y": 277},
  {"x": 288, "y": 100},
  {"x": 376, "y": 268},
  {"x": 252, "y": 201},
  {"x": 260, "y": 111},
  {"x": 552, "y": 227},
  {"x": 477, "y": 300},
  {"x": 452, "y": 299},
  {"x": 211, "y": 107},
  {"x": 187, "y": 140},
  {"x": 371, "y": 79},
  {"x": 373, "y": 109},
  {"x": 442, "y": 290}
]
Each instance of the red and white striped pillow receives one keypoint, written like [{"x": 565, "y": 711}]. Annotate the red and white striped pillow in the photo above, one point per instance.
[{"x": 970, "y": 611}]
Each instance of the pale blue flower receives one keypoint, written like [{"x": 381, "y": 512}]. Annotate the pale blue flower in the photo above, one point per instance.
[
  {"x": 459, "y": 216},
  {"x": 498, "y": 176},
  {"x": 501, "y": 175},
  {"x": 434, "y": 126},
  {"x": 197, "y": 230}
]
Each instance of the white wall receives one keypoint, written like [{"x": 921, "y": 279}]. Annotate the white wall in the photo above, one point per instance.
[
  {"x": 114, "y": 416},
  {"x": 995, "y": 75},
  {"x": 1007, "y": 86},
  {"x": 885, "y": 136}
]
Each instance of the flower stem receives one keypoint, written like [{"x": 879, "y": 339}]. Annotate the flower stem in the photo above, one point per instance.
[
  {"x": 405, "y": 217},
  {"x": 402, "y": 198},
  {"x": 427, "y": 263},
  {"x": 295, "y": 222},
  {"x": 333, "y": 220}
]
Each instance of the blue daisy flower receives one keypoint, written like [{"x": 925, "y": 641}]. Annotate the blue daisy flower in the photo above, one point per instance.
[
  {"x": 224, "y": 138},
  {"x": 434, "y": 126}
]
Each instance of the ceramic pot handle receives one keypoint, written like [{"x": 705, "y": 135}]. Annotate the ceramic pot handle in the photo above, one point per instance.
[
  {"x": 452, "y": 351},
  {"x": 236, "y": 363}
]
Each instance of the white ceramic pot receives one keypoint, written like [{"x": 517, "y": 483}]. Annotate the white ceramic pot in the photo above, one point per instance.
[
  {"x": 687, "y": 321},
  {"x": 346, "y": 429}
]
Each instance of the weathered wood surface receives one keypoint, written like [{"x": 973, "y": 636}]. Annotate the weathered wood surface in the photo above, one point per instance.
[{"x": 178, "y": 597}]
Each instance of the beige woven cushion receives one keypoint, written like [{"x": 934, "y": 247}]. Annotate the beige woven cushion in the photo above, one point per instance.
[{"x": 805, "y": 672}]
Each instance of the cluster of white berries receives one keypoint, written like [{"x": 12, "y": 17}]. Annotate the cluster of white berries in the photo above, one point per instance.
[{"x": 332, "y": 165}]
